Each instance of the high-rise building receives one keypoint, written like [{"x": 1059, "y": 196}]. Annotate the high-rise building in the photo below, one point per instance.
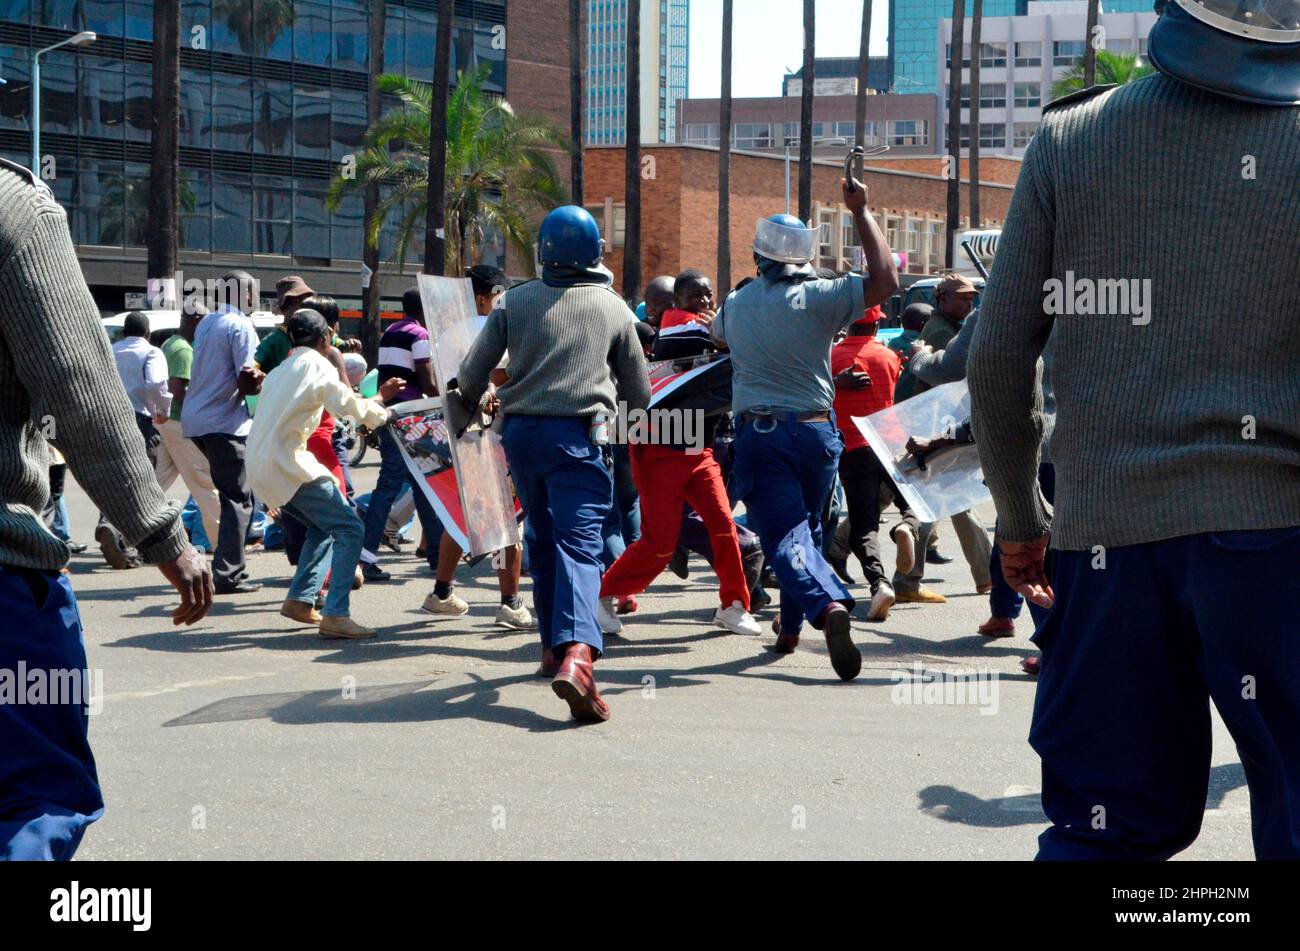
[
  {"x": 270, "y": 107},
  {"x": 1021, "y": 58},
  {"x": 914, "y": 26},
  {"x": 665, "y": 69}
]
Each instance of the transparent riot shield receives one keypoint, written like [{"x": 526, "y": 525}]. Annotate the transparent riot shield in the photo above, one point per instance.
[
  {"x": 486, "y": 496},
  {"x": 952, "y": 481}
]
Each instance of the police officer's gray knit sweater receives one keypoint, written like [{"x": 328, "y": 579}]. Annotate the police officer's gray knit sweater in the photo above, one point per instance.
[
  {"x": 57, "y": 377},
  {"x": 573, "y": 352},
  {"x": 1182, "y": 414}
]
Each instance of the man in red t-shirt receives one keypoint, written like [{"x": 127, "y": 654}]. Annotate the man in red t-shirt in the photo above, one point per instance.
[{"x": 866, "y": 372}]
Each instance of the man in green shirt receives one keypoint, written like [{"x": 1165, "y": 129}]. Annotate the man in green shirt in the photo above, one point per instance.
[
  {"x": 290, "y": 292},
  {"x": 178, "y": 456}
]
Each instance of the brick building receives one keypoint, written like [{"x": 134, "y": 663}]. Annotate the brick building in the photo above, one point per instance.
[{"x": 679, "y": 206}]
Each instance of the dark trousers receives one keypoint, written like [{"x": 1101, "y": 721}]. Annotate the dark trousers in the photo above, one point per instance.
[
  {"x": 1133, "y": 653},
  {"x": 784, "y": 476},
  {"x": 566, "y": 493},
  {"x": 862, "y": 476},
  {"x": 49, "y": 790},
  {"x": 1004, "y": 600},
  {"x": 225, "y": 455},
  {"x": 151, "y": 442}
]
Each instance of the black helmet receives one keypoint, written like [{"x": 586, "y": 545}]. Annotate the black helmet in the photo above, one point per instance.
[{"x": 1244, "y": 49}]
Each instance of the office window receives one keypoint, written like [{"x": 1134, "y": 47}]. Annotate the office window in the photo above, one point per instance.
[
  {"x": 909, "y": 132},
  {"x": 232, "y": 114},
  {"x": 1065, "y": 52},
  {"x": 1028, "y": 95},
  {"x": 273, "y": 117},
  {"x": 311, "y": 122},
  {"x": 347, "y": 235},
  {"x": 993, "y": 135},
  {"x": 993, "y": 54},
  {"x": 1022, "y": 132},
  {"x": 993, "y": 96},
  {"x": 753, "y": 135},
  {"x": 1029, "y": 53},
  {"x": 196, "y": 209},
  {"x": 232, "y": 212},
  {"x": 846, "y": 130},
  {"x": 938, "y": 237},
  {"x": 196, "y": 108}
]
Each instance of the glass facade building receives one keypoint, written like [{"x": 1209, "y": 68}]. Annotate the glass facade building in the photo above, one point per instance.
[
  {"x": 665, "y": 69},
  {"x": 914, "y": 23},
  {"x": 273, "y": 96}
]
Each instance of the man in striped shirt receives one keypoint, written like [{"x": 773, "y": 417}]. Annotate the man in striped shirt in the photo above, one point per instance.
[{"x": 404, "y": 352}]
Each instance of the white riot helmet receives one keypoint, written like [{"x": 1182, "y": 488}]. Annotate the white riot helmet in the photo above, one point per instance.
[{"x": 786, "y": 239}]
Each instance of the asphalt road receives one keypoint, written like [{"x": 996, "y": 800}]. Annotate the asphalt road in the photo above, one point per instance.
[{"x": 248, "y": 737}]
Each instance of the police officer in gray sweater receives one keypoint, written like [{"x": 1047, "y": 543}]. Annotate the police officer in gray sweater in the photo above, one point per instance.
[
  {"x": 58, "y": 381},
  {"x": 1155, "y": 235},
  {"x": 574, "y": 358}
]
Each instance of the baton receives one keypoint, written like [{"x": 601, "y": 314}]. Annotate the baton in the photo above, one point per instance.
[{"x": 859, "y": 152}]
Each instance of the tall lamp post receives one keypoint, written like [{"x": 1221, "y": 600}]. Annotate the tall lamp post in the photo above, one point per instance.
[{"x": 81, "y": 39}]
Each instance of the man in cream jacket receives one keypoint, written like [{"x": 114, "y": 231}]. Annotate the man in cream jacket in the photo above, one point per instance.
[{"x": 283, "y": 474}]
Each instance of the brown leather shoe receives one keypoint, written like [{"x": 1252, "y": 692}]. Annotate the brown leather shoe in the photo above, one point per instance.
[
  {"x": 575, "y": 684},
  {"x": 300, "y": 611},
  {"x": 343, "y": 628},
  {"x": 984, "y": 588},
  {"x": 550, "y": 666},
  {"x": 998, "y": 627},
  {"x": 785, "y": 643}
]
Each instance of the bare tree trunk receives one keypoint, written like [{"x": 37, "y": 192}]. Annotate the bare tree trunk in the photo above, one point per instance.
[
  {"x": 806, "y": 110},
  {"x": 977, "y": 16},
  {"x": 864, "y": 77},
  {"x": 163, "y": 235},
  {"x": 372, "y": 292},
  {"x": 632, "y": 171},
  {"x": 577, "y": 81},
  {"x": 724, "y": 155},
  {"x": 954, "y": 130},
  {"x": 1089, "y": 50},
  {"x": 435, "y": 228}
]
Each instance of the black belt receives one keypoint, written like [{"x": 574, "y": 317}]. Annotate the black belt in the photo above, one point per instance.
[{"x": 813, "y": 416}]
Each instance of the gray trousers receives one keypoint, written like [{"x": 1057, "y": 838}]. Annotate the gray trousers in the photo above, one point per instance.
[{"x": 225, "y": 455}]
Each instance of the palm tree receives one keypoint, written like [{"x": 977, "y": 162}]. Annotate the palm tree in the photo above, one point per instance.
[
  {"x": 435, "y": 212},
  {"x": 864, "y": 78},
  {"x": 973, "y": 163},
  {"x": 954, "y": 129},
  {"x": 372, "y": 291},
  {"x": 162, "y": 236},
  {"x": 577, "y": 80},
  {"x": 1089, "y": 50},
  {"x": 500, "y": 176},
  {"x": 806, "y": 110},
  {"x": 1117, "y": 68},
  {"x": 632, "y": 150},
  {"x": 724, "y": 154}
]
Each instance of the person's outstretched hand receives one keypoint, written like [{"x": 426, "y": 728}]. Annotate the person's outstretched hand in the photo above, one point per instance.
[
  {"x": 1023, "y": 568},
  {"x": 190, "y": 575}
]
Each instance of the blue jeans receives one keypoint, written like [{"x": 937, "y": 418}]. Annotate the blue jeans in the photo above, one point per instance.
[
  {"x": 784, "y": 478},
  {"x": 393, "y": 474},
  {"x": 1133, "y": 654},
  {"x": 566, "y": 492},
  {"x": 49, "y": 790},
  {"x": 1004, "y": 600},
  {"x": 332, "y": 545}
]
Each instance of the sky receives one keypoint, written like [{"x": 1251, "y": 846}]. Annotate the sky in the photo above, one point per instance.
[{"x": 768, "y": 39}]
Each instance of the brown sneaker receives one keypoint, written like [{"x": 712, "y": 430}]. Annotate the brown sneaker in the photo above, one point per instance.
[
  {"x": 343, "y": 628},
  {"x": 922, "y": 595},
  {"x": 300, "y": 611},
  {"x": 998, "y": 627}
]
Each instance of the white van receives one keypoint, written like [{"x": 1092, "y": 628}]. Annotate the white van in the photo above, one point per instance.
[{"x": 164, "y": 323}]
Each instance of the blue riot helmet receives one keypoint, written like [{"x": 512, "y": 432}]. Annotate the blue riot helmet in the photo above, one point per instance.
[
  {"x": 1243, "y": 49},
  {"x": 570, "y": 237}
]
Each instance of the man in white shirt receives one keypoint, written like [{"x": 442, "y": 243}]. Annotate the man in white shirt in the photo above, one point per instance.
[
  {"x": 143, "y": 371},
  {"x": 285, "y": 475}
]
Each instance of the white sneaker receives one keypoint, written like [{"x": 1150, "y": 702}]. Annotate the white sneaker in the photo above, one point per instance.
[
  {"x": 519, "y": 618},
  {"x": 736, "y": 620},
  {"x": 881, "y": 602},
  {"x": 607, "y": 616},
  {"x": 451, "y": 605}
]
